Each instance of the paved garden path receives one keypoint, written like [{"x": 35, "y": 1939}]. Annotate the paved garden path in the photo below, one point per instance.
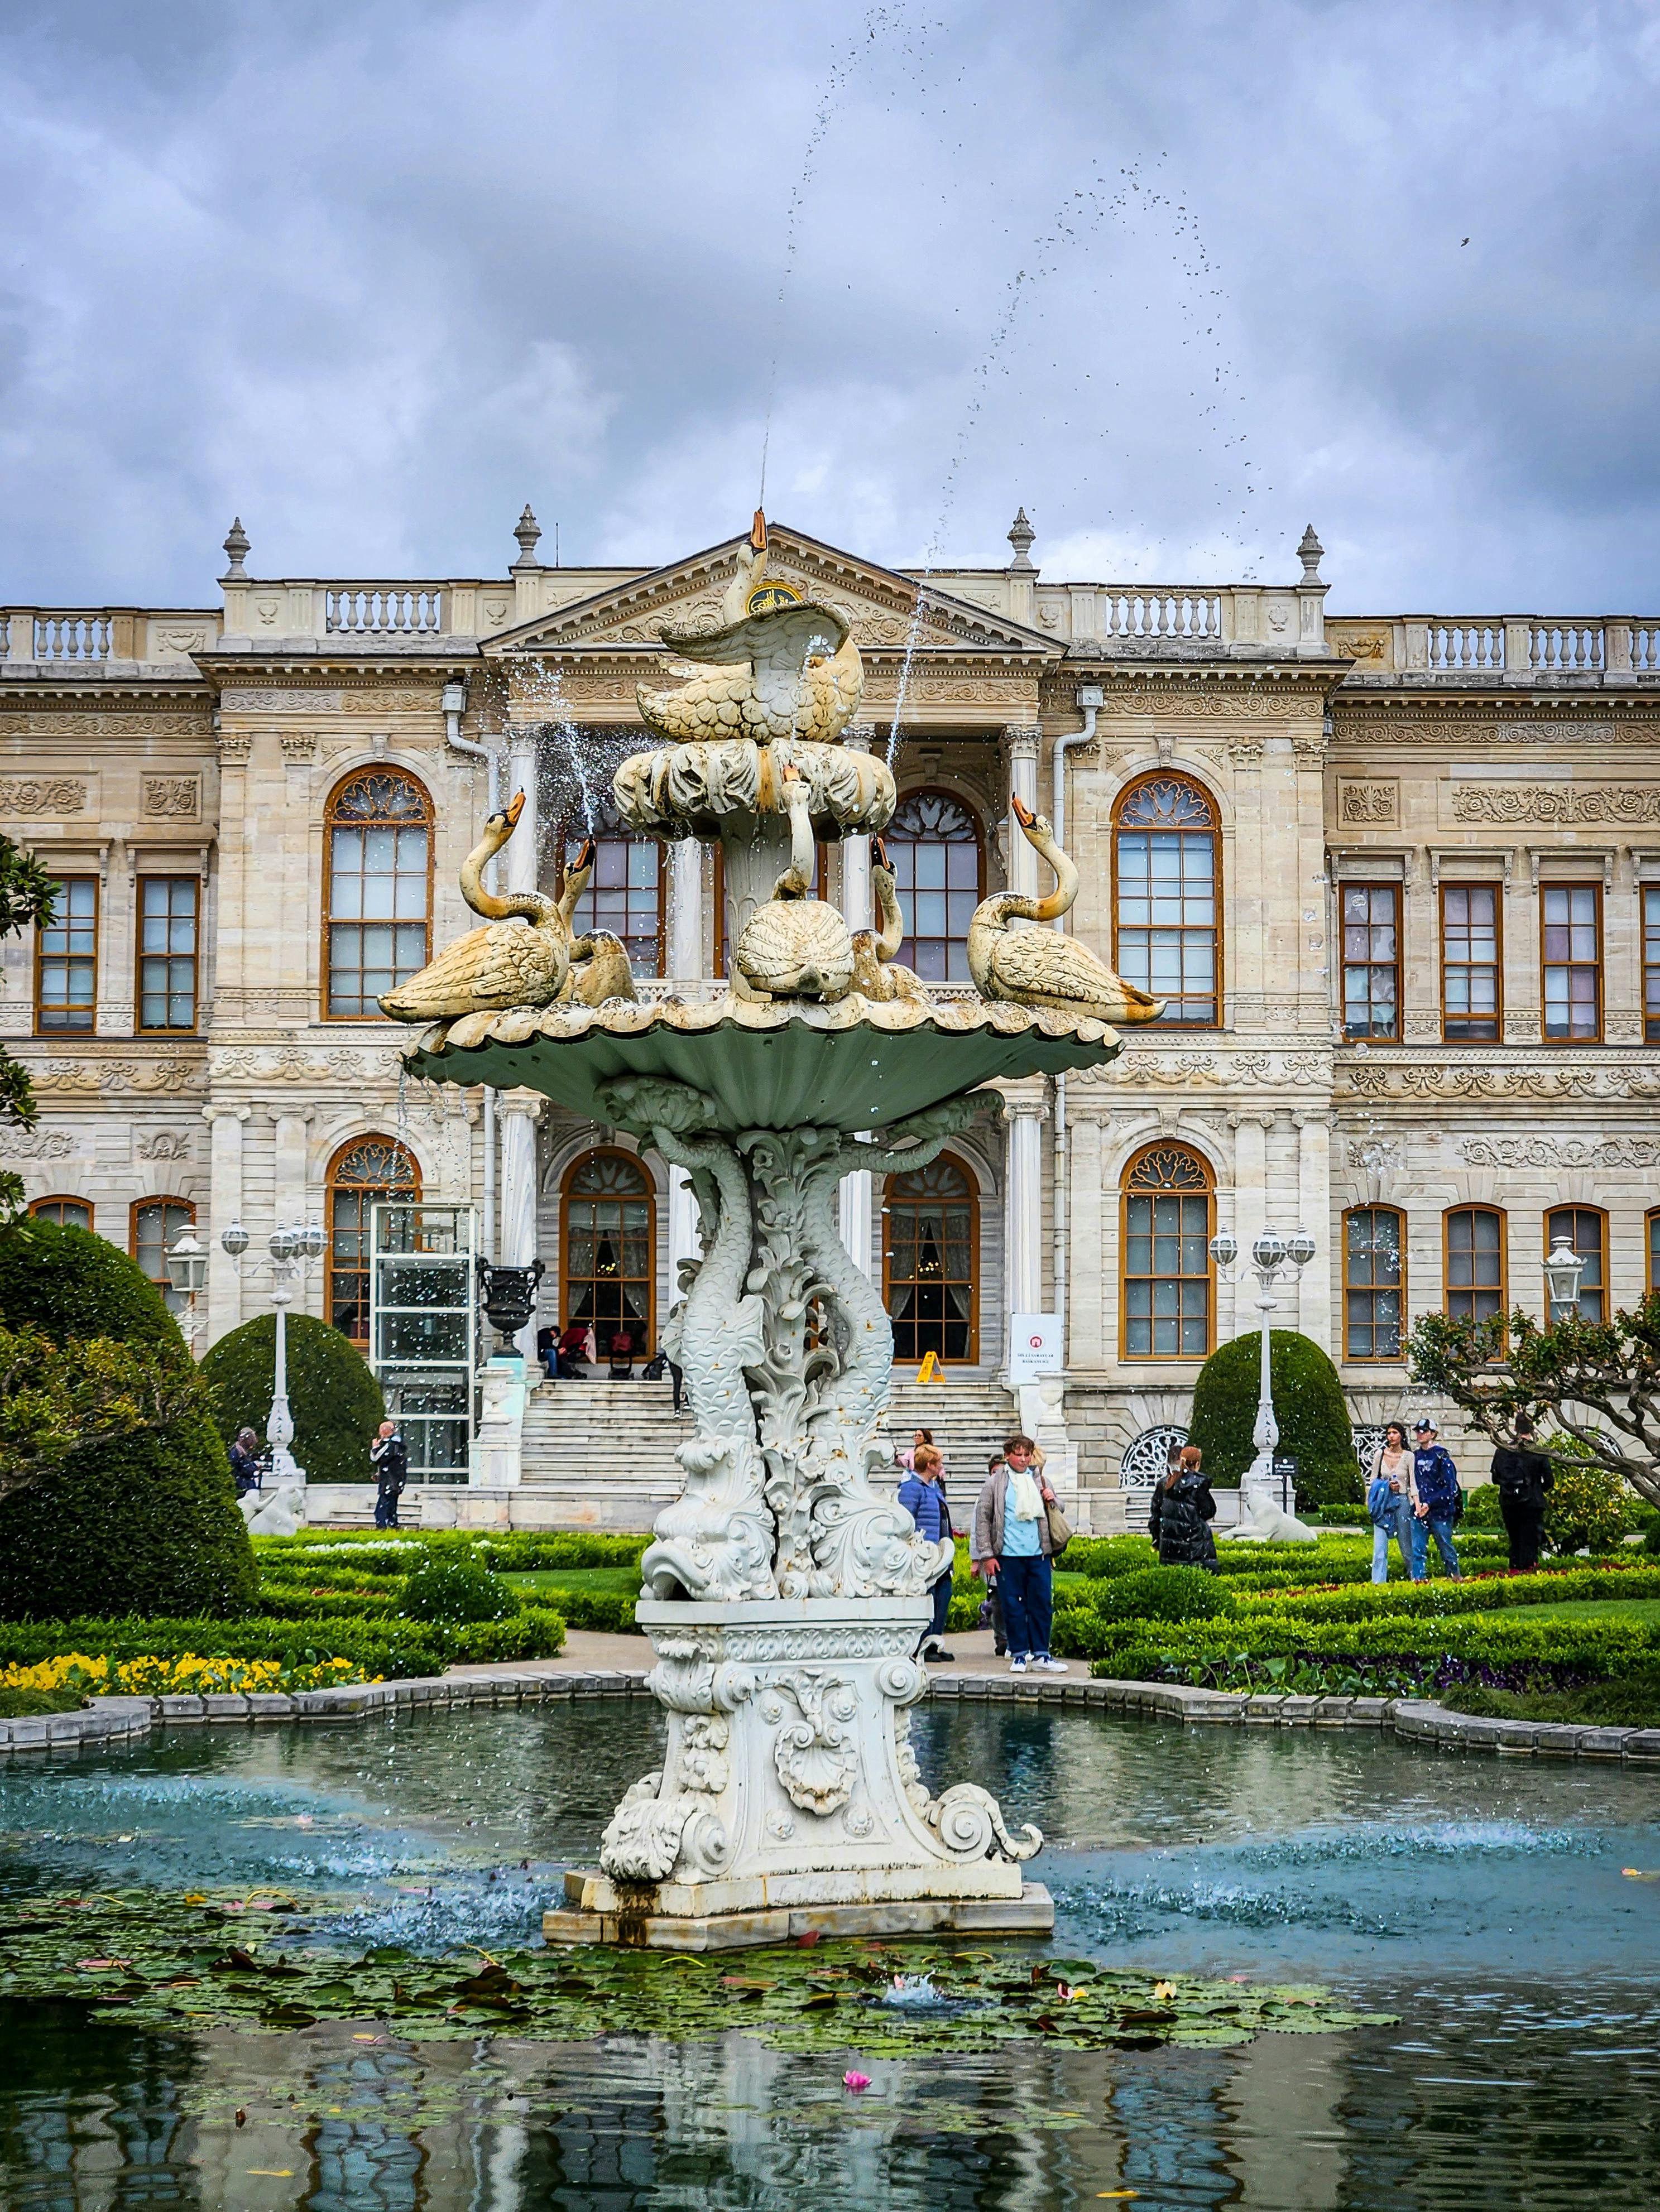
[{"x": 588, "y": 1653}]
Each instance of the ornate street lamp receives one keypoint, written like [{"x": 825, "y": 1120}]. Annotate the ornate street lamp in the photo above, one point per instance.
[
  {"x": 1562, "y": 1271},
  {"x": 1272, "y": 1254},
  {"x": 187, "y": 1271},
  {"x": 289, "y": 1250}
]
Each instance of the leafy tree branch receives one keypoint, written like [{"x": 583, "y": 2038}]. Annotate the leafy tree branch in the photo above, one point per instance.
[{"x": 87, "y": 1394}]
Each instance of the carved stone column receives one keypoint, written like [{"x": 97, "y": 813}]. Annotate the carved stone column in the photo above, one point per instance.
[
  {"x": 856, "y": 1203},
  {"x": 224, "y": 1207},
  {"x": 522, "y": 854},
  {"x": 1020, "y": 767},
  {"x": 520, "y": 1110},
  {"x": 289, "y": 1161},
  {"x": 1314, "y": 1314},
  {"x": 1023, "y": 1210},
  {"x": 1086, "y": 1344},
  {"x": 685, "y": 932},
  {"x": 1250, "y": 1189}
]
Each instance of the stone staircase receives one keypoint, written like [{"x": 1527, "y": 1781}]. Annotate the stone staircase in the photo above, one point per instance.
[
  {"x": 601, "y": 1454},
  {"x": 969, "y": 1420}
]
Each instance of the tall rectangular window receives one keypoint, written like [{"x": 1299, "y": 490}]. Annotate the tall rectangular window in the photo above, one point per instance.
[
  {"x": 1652, "y": 965},
  {"x": 1164, "y": 916},
  {"x": 1474, "y": 1255},
  {"x": 1585, "y": 1228},
  {"x": 1371, "y": 960},
  {"x": 66, "y": 960},
  {"x": 1572, "y": 916},
  {"x": 1374, "y": 1282},
  {"x": 1470, "y": 960},
  {"x": 167, "y": 952}
]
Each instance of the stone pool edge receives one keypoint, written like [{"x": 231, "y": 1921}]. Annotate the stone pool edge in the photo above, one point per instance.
[{"x": 122, "y": 1720}]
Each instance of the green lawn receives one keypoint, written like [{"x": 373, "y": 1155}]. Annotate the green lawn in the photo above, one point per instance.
[
  {"x": 597, "y": 1581},
  {"x": 1644, "y": 1609}
]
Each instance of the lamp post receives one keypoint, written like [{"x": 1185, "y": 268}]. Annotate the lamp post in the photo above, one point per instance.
[
  {"x": 1562, "y": 1271},
  {"x": 187, "y": 1271},
  {"x": 289, "y": 1250},
  {"x": 1272, "y": 1254}
]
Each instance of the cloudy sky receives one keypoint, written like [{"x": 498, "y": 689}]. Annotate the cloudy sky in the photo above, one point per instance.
[{"x": 1180, "y": 279}]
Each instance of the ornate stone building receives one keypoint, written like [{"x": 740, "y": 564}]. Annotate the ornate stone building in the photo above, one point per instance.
[{"x": 1399, "y": 877}]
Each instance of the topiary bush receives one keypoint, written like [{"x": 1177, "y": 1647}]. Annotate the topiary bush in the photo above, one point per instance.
[
  {"x": 1163, "y": 1593},
  {"x": 1308, "y": 1404},
  {"x": 1585, "y": 1510},
  {"x": 456, "y": 1593},
  {"x": 335, "y": 1400},
  {"x": 1109, "y": 1555},
  {"x": 148, "y": 1527}
]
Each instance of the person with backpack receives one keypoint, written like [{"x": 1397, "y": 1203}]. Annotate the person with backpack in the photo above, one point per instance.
[
  {"x": 923, "y": 1498},
  {"x": 1179, "y": 1516},
  {"x": 1525, "y": 1478},
  {"x": 1440, "y": 1502},
  {"x": 391, "y": 1462},
  {"x": 1390, "y": 1501}
]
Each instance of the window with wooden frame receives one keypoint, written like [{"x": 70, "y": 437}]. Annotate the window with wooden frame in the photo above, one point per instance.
[
  {"x": 1374, "y": 1282},
  {"x": 66, "y": 960},
  {"x": 937, "y": 845},
  {"x": 377, "y": 842},
  {"x": 1586, "y": 1230},
  {"x": 168, "y": 914},
  {"x": 1651, "y": 964},
  {"x": 1165, "y": 1272},
  {"x": 66, "y": 1212},
  {"x": 1473, "y": 1285},
  {"x": 628, "y": 893},
  {"x": 931, "y": 1261},
  {"x": 1167, "y": 895},
  {"x": 154, "y": 1227},
  {"x": 1372, "y": 959},
  {"x": 608, "y": 1250},
  {"x": 363, "y": 1171},
  {"x": 1471, "y": 961},
  {"x": 1570, "y": 960}
]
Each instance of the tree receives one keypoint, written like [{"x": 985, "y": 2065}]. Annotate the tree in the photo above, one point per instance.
[
  {"x": 1597, "y": 1383},
  {"x": 86, "y": 1395},
  {"x": 27, "y": 894},
  {"x": 1308, "y": 1405}
]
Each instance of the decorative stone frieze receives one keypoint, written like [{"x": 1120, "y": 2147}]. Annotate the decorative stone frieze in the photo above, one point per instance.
[
  {"x": 1565, "y": 803},
  {"x": 170, "y": 798},
  {"x": 1375, "y": 803},
  {"x": 42, "y": 794},
  {"x": 1618, "y": 1152}
]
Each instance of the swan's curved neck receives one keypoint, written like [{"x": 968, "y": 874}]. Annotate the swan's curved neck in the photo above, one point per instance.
[
  {"x": 493, "y": 908},
  {"x": 892, "y": 935},
  {"x": 1066, "y": 883},
  {"x": 796, "y": 881}
]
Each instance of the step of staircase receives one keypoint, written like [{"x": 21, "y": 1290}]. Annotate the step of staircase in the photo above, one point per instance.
[
  {"x": 968, "y": 1420},
  {"x": 620, "y": 1434}
]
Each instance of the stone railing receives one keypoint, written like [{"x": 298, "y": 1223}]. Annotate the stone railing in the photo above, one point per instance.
[
  {"x": 85, "y": 637},
  {"x": 1144, "y": 621},
  {"x": 1514, "y": 647},
  {"x": 385, "y": 609}
]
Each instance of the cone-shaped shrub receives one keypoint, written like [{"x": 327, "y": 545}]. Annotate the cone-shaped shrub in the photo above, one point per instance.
[{"x": 1308, "y": 1405}]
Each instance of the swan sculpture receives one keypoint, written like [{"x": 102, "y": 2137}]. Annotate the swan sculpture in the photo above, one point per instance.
[
  {"x": 520, "y": 958},
  {"x": 1040, "y": 967},
  {"x": 599, "y": 965},
  {"x": 876, "y": 974},
  {"x": 796, "y": 946}
]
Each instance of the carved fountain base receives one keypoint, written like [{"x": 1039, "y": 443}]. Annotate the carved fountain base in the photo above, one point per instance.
[{"x": 789, "y": 1800}]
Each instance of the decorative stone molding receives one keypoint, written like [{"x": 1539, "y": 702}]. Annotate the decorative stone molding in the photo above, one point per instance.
[
  {"x": 170, "y": 798},
  {"x": 164, "y": 1144},
  {"x": 112, "y": 1077},
  {"x": 1542, "y": 732},
  {"x": 1425, "y": 1026},
  {"x": 292, "y": 701},
  {"x": 1376, "y": 802},
  {"x": 234, "y": 746},
  {"x": 1626, "y": 1152},
  {"x": 299, "y": 748},
  {"x": 74, "y": 724},
  {"x": 42, "y": 794},
  {"x": 1565, "y": 803},
  {"x": 1459, "y": 1080},
  {"x": 36, "y": 1145}
]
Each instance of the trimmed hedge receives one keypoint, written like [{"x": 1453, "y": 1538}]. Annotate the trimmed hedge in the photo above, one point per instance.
[
  {"x": 1192, "y": 1651},
  {"x": 1308, "y": 1404},
  {"x": 150, "y": 1526},
  {"x": 457, "y": 1593},
  {"x": 1161, "y": 1594},
  {"x": 391, "y": 1649},
  {"x": 335, "y": 1400}
]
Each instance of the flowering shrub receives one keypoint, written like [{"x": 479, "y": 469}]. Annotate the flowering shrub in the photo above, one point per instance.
[{"x": 95, "y": 1674}]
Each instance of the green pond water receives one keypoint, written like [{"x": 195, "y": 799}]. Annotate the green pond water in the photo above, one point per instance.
[{"x": 1483, "y": 1905}]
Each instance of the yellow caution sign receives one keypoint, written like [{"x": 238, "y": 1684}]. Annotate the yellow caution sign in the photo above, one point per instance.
[{"x": 931, "y": 1370}]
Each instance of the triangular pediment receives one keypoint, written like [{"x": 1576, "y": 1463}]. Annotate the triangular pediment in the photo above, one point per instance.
[{"x": 878, "y": 603}]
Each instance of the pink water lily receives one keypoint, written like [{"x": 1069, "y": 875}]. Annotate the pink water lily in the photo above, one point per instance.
[{"x": 855, "y": 2081}]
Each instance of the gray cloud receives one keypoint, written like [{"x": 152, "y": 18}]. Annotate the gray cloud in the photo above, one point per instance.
[{"x": 372, "y": 276}]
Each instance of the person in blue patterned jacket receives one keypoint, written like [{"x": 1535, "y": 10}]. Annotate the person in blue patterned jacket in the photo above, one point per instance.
[{"x": 1440, "y": 1502}]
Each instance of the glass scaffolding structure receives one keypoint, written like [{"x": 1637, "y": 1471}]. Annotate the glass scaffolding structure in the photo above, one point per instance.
[{"x": 424, "y": 1329}]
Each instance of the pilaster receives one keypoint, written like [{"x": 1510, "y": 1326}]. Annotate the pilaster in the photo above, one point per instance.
[
  {"x": 1024, "y": 1208},
  {"x": 521, "y": 1112},
  {"x": 224, "y": 1207},
  {"x": 1314, "y": 1289},
  {"x": 1020, "y": 746}
]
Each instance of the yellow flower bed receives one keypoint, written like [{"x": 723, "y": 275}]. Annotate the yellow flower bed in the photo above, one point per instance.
[{"x": 96, "y": 1676}]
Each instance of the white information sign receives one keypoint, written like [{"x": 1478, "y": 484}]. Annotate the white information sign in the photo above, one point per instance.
[{"x": 1034, "y": 1347}]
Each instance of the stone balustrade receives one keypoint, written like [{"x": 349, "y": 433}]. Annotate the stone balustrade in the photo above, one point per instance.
[{"x": 1508, "y": 648}]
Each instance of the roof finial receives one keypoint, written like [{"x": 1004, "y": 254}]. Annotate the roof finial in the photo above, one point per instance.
[
  {"x": 528, "y": 530},
  {"x": 1307, "y": 552},
  {"x": 759, "y": 532},
  {"x": 236, "y": 550},
  {"x": 1021, "y": 535}
]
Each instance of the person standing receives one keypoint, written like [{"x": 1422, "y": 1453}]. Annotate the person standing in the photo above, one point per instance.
[
  {"x": 991, "y": 1613},
  {"x": 1390, "y": 1501},
  {"x": 1440, "y": 1501},
  {"x": 1525, "y": 1478},
  {"x": 391, "y": 1464},
  {"x": 922, "y": 1495},
  {"x": 1179, "y": 1517},
  {"x": 1012, "y": 1547},
  {"x": 245, "y": 1461}
]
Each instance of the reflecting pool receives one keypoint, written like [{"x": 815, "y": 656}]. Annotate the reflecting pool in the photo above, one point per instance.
[{"x": 1485, "y": 1904}]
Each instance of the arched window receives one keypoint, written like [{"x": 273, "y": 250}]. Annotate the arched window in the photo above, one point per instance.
[
  {"x": 938, "y": 849},
  {"x": 362, "y": 1171},
  {"x": 1165, "y": 915},
  {"x": 378, "y": 895},
  {"x": 154, "y": 1227},
  {"x": 1586, "y": 1229},
  {"x": 1374, "y": 1282},
  {"x": 627, "y": 894},
  {"x": 930, "y": 1262},
  {"x": 608, "y": 1248},
  {"x": 1473, "y": 1262},
  {"x": 67, "y": 1212},
  {"x": 1165, "y": 1285}
]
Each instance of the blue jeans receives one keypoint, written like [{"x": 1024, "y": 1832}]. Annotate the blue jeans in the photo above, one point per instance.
[
  {"x": 1028, "y": 1588},
  {"x": 1421, "y": 1532},
  {"x": 1400, "y": 1528},
  {"x": 940, "y": 1594}
]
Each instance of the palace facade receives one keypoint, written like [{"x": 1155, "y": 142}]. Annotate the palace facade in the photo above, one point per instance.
[{"x": 1398, "y": 876}]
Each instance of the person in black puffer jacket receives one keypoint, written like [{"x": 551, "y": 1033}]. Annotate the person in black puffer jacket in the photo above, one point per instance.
[
  {"x": 1182, "y": 1511},
  {"x": 1523, "y": 1475}
]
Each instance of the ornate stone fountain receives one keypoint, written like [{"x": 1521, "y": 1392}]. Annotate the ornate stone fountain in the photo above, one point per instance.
[{"x": 783, "y": 1594}]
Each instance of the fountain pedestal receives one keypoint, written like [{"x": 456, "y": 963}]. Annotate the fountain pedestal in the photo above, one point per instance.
[{"x": 789, "y": 1798}]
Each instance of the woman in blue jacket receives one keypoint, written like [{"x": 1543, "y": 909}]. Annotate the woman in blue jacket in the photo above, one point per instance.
[{"x": 923, "y": 1498}]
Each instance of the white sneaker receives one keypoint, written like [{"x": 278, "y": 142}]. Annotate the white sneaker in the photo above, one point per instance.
[
  {"x": 1017, "y": 1666},
  {"x": 1047, "y": 1666}
]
